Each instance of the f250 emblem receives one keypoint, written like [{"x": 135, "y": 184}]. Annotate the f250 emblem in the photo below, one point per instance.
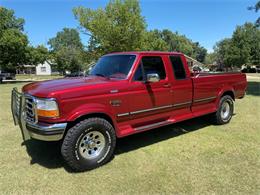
[{"x": 115, "y": 102}]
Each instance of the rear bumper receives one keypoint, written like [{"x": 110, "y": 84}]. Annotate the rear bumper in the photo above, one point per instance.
[{"x": 38, "y": 130}]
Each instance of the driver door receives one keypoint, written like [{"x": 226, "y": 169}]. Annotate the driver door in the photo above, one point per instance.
[{"x": 150, "y": 99}]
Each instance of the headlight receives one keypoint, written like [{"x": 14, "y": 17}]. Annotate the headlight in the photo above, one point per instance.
[{"x": 47, "y": 108}]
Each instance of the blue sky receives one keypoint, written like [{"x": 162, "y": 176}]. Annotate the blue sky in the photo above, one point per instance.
[{"x": 205, "y": 21}]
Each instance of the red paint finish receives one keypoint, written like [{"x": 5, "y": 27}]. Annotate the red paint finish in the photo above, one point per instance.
[{"x": 135, "y": 106}]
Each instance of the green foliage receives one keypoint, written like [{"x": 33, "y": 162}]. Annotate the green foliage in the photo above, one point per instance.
[
  {"x": 167, "y": 40},
  {"x": 154, "y": 42},
  {"x": 256, "y": 8},
  {"x": 67, "y": 38},
  {"x": 120, "y": 27},
  {"x": 9, "y": 21},
  {"x": 117, "y": 27},
  {"x": 177, "y": 42},
  {"x": 210, "y": 58},
  {"x": 69, "y": 59},
  {"x": 12, "y": 41},
  {"x": 13, "y": 45},
  {"x": 67, "y": 50},
  {"x": 36, "y": 55},
  {"x": 242, "y": 48}
]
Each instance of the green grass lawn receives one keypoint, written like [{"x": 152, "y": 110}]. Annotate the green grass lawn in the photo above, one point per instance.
[{"x": 192, "y": 157}]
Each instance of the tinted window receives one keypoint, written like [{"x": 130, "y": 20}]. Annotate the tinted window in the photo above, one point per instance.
[
  {"x": 138, "y": 74},
  {"x": 178, "y": 68},
  {"x": 151, "y": 64},
  {"x": 113, "y": 66}
]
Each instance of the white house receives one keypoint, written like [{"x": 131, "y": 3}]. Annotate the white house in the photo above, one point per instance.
[{"x": 43, "y": 69}]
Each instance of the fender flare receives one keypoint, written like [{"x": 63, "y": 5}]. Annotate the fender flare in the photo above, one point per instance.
[
  {"x": 223, "y": 90},
  {"x": 89, "y": 109}
]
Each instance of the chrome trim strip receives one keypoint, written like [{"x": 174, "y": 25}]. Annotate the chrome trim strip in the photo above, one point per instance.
[
  {"x": 181, "y": 104},
  {"x": 205, "y": 99},
  {"x": 151, "y": 109},
  {"x": 123, "y": 114},
  {"x": 114, "y": 91},
  {"x": 152, "y": 125}
]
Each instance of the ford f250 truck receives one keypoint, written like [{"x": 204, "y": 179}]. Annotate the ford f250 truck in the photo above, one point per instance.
[{"x": 125, "y": 93}]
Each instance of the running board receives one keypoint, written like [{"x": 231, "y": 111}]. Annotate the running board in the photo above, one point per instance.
[{"x": 154, "y": 125}]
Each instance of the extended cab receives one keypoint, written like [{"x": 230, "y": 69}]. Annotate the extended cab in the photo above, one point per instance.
[{"x": 125, "y": 93}]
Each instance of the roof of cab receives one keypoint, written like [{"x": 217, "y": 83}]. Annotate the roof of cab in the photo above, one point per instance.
[{"x": 146, "y": 52}]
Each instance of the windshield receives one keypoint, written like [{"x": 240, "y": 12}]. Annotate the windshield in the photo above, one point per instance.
[{"x": 114, "y": 66}]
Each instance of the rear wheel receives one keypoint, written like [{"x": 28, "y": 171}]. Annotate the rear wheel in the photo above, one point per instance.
[
  {"x": 89, "y": 144},
  {"x": 225, "y": 110}
]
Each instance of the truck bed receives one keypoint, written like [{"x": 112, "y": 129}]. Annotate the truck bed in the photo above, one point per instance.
[{"x": 209, "y": 86}]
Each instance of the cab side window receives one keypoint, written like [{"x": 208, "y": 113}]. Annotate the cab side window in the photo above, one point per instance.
[
  {"x": 151, "y": 64},
  {"x": 178, "y": 68}
]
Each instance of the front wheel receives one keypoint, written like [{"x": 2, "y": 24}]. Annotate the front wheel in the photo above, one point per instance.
[
  {"x": 89, "y": 144},
  {"x": 225, "y": 110}
]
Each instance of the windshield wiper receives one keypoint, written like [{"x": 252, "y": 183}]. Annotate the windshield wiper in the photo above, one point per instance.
[{"x": 101, "y": 75}]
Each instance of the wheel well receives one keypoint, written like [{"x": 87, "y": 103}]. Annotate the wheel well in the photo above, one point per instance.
[
  {"x": 230, "y": 93},
  {"x": 99, "y": 115}
]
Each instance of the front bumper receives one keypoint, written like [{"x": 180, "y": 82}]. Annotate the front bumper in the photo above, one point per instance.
[{"x": 37, "y": 130}]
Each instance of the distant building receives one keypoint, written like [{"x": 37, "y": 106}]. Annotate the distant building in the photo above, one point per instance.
[
  {"x": 40, "y": 69},
  {"x": 43, "y": 69}
]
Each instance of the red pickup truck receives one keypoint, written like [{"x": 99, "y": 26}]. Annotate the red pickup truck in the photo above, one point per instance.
[{"x": 125, "y": 93}]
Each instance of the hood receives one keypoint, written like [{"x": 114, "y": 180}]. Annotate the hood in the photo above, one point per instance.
[{"x": 52, "y": 87}]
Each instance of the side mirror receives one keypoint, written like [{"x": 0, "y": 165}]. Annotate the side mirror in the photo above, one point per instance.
[{"x": 153, "y": 77}]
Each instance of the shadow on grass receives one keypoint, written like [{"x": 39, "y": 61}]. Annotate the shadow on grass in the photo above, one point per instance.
[
  {"x": 253, "y": 88},
  {"x": 47, "y": 154},
  {"x": 147, "y": 138}
]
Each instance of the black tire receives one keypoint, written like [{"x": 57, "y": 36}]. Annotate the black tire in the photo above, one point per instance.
[
  {"x": 1, "y": 80},
  {"x": 224, "y": 115},
  {"x": 78, "y": 139}
]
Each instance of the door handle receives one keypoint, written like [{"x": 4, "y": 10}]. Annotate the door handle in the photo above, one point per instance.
[{"x": 167, "y": 85}]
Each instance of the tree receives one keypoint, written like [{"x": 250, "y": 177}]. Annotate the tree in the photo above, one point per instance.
[
  {"x": 199, "y": 53},
  {"x": 36, "y": 55},
  {"x": 210, "y": 58},
  {"x": 14, "y": 45},
  {"x": 242, "y": 48},
  {"x": 9, "y": 21},
  {"x": 117, "y": 27},
  {"x": 154, "y": 42},
  {"x": 167, "y": 40},
  {"x": 256, "y": 8},
  {"x": 177, "y": 42},
  {"x": 13, "y": 42},
  {"x": 67, "y": 38},
  {"x": 67, "y": 50}
]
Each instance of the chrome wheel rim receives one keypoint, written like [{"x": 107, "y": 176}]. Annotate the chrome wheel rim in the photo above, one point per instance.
[
  {"x": 91, "y": 144},
  {"x": 225, "y": 110}
]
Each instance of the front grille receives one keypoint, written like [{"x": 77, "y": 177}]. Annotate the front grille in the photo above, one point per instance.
[{"x": 30, "y": 110}]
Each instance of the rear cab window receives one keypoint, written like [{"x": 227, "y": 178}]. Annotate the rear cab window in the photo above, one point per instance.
[
  {"x": 149, "y": 65},
  {"x": 178, "y": 68}
]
